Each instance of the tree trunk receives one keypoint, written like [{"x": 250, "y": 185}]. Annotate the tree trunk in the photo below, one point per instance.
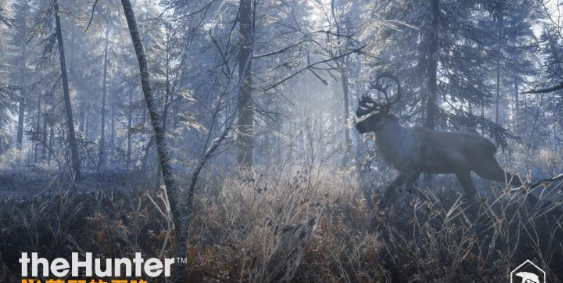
[
  {"x": 22, "y": 93},
  {"x": 102, "y": 156},
  {"x": 165, "y": 108},
  {"x": 347, "y": 140},
  {"x": 516, "y": 109},
  {"x": 171, "y": 190},
  {"x": 499, "y": 58},
  {"x": 21, "y": 110},
  {"x": 516, "y": 98},
  {"x": 51, "y": 144},
  {"x": 75, "y": 160},
  {"x": 112, "y": 129},
  {"x": 129, "y": 130},
  {"x": 44, "y": 140},
  {"x": 87, "y": 122},
  {"x": 341, "y": 63},
  {"x": 39, "y": 134},
  {"x": 497, "y": 101},
  {"x": 72, "y": 48},
  {"x": 81, "y": 117},
  {"x": 246, "y": 110},
  {"x": 432, "y": 68},
  {"x": 22, "y": 84}
]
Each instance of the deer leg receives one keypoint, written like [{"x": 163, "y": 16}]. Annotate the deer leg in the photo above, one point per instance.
[
  {"x": 412, "y": 178},
  {"x": 404, "y": 177},
  {"x": 464, "y": 178},
  {"x": 391, "y": 189},
  {"x": 410, "y": 182}
]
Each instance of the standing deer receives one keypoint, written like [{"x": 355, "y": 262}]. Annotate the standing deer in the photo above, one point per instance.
[{"x": 418, "y": 150}]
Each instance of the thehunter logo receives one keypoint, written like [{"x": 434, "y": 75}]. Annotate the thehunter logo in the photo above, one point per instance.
[
  {"x": 527, "y": 272},
  {"x": 36, "y": 267}
]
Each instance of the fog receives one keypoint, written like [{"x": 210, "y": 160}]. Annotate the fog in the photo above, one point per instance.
[{"x": 222, "y": 134}]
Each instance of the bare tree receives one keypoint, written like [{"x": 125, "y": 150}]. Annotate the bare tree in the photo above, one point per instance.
[
  {"x": 171, "y": 190},
  {"x": 75, "y": 159},
  {"x": 245, "y": 106},
  {"x": 104, "y": 96}
]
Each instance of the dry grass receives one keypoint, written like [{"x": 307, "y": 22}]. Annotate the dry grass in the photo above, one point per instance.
[
  {"x": 441, "y": 238},
  {"x": 294, "y": 227},
  {"x": 258, "y": 229}
]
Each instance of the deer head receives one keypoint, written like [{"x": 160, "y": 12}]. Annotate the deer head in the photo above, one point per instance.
[{"x": 368, "y": 105}]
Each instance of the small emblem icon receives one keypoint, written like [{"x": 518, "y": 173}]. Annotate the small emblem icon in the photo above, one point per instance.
[{"x": 527, "y": 272}]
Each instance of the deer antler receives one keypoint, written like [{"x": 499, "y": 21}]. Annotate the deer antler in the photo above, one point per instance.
[
  {"x": 364, "y": 107},
  {"x": 366, "y": 100},
  {"x": 379, "y": 85}
]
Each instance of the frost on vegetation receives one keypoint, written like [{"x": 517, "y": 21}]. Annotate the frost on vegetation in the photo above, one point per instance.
[
  {"x": 550, "y": 159},
  {"x": 12, "y": 159},
  {"x": 289, "y": 226},
  {"x": 294, "y": 226}
]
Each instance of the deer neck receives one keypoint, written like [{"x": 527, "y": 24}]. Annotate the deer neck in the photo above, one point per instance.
[
  {"x": 390, "y": 131},
  {"x": 389, "y": 140}
]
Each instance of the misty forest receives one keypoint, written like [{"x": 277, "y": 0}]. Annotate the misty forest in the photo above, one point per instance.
[{"x": 285, "y": 141}]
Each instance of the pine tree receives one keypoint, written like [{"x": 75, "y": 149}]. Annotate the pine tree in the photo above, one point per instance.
[{"x": 446, "y": 54}]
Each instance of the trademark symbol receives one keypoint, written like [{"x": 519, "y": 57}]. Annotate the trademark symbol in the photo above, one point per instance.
[{"x": 181, "y": 260}]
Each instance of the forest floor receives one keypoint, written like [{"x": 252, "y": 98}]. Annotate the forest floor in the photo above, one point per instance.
[{"x": 291, "y": 227}]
